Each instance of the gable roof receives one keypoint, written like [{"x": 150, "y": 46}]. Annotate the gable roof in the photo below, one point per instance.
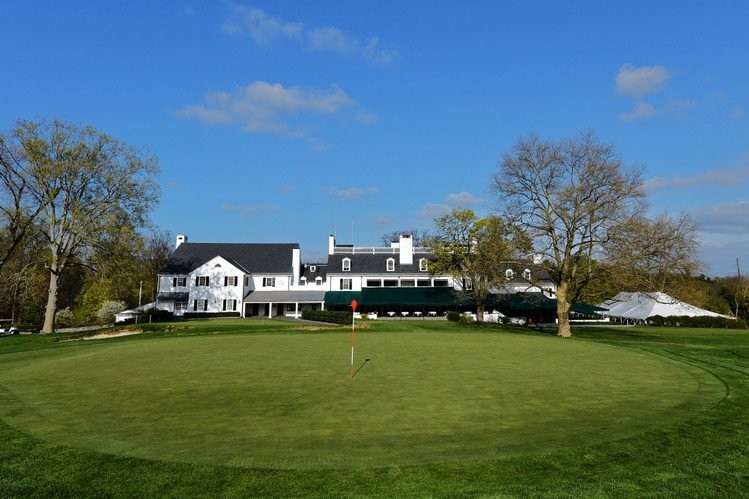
[
  {"x": 367, "y": 263},
  {"x": 249, "y": 257}
]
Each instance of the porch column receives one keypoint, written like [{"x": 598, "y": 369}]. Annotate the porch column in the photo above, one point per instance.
[{"x": 270, "y": 310}]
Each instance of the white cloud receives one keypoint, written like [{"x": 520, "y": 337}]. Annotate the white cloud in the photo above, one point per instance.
[
  {"x": 433, "y": 210},
  {"x": 248, "y": 210},
  {"x": 725, "y": 218},
  {"x": 331, "y": 39},
  {"x": 351, "y": 193},
  {"x": 722, "y": 177},
  {"x": 265, "y": 29},
  {"x": 463, "y": 200},
  {"x": 642, "y": 110},
  {"x": 263, "y": 107},
  {"x": 637, "y": 82},
  {"x": 261, "y": 27}
]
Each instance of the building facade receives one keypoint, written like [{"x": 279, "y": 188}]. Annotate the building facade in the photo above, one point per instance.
[{"x": 269, "y": 280}]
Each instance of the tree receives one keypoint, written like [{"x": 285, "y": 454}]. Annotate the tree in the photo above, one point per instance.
[
  {"x": 655, "y": 254},
  {"x": 86, "y": 184},
  {"x": 419, "y": 237},
  {"x": 17, "y": 210},
  {"x": 473, "y": 250},
  {"x": 571, "y": 196}
]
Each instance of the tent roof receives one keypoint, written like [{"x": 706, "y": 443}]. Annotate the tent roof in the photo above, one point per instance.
[{"x": 640, "y": 306}]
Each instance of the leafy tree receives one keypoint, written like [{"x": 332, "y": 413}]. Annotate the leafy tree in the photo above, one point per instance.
[
  {"x": 571, "y": 196},
  {"x": 473, "y": 250},
  {"x": 87, "y": 185}
]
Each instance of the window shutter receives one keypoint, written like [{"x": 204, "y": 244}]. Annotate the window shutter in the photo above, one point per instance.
[
  {"x": 207, "y": 281},
  {"x": 174, "y": 282},
  {"x": 197, "y": 280},
  {"x": 236, "y": 280},
  {"x": 195, "y": 305},
  {"x": 224, "y": 303},
  {"x": 225, "y": 279}
]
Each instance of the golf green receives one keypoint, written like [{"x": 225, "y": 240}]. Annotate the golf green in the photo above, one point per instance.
[{"x": 286, "y": 400}]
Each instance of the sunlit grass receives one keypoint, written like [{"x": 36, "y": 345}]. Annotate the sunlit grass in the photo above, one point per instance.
[{"x": 437, "y": 403}]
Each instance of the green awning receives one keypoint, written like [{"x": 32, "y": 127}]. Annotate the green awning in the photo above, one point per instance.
[
  {"x": 342, "y": 298},
  {"x": 585, "y": 309},
  {"x": 409, "y": 296},
  {"x": 375, "y": 297}
]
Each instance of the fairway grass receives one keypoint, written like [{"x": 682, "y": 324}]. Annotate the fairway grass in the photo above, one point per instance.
[{"x": 286, "y": 401}]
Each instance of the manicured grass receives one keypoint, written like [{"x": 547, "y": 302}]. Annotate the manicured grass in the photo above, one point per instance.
[{"x": 265, "y": 407}]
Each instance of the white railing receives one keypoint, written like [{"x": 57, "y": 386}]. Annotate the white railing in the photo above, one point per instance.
[{"x": 372, "y": 250}]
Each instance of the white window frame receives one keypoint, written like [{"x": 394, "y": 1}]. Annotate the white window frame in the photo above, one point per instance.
[
  {"x": 346, "y": 265},
  {"x": 202, "y": 280},
  {"x": 179, "y": 282},
  {"x": 230, "y": 280},
  {"x": 390, "y": 265},
  {"x": 527, "y": 274},
  {"x": 347, "y": 284},
  {"x": 269, "y": 282},
  {"x": 509, "y": 274}
]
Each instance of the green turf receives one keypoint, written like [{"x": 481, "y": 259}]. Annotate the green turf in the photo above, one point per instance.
[{"x": 439, "y": 409}]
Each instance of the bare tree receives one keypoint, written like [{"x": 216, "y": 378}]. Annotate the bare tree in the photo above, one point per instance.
[
  {"x": 473, "y": 251},
  {"x": 86, "y": 183},
  {"x": 18, "y": 212},
  {"x": 571, "y": 196},
  {"x": 654, "y": 253},
  {"x": 418, "y": 236}
]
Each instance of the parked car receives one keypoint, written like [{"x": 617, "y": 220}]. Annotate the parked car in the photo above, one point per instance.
[{"x": 8, "y": 330}]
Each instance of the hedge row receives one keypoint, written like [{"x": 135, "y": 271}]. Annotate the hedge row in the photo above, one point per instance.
[
  {"x": 327, "y": 316},
  {"x": 704, "y": 321}
]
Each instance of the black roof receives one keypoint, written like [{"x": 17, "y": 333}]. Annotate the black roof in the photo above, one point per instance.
[
  {"x": 250, "y": 257},
  {"x": 363, "y": 263},
  {"x": 321, "y": 270}
]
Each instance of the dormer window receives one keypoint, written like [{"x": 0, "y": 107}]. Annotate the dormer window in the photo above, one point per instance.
[
  {"x": 346, "y": 265},
  {"x": 527, "y": 274},
  {"x": 318, "y": 280},
  {"x": 303, "y": 280},
  {"x": 509, "y": 273},
  {"x": 423, "y": 265},
  {"x": 390, "y": 265},
  {"x": 312, "y": 268}
]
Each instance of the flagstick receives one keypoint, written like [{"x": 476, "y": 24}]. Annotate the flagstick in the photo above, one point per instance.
[{"x": 353, "y": 334}]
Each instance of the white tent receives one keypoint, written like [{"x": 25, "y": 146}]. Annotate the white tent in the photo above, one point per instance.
[{"x": 638, "y": 307}]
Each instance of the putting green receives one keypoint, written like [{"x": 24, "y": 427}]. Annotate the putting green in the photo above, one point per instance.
[{"x": 286, "y": 400}]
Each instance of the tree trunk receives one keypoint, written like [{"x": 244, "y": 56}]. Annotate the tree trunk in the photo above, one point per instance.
[
  {"x": 563, "y": 311},
  {"x": 479, "y": 312},
  {"x": 49, "y": 313}
]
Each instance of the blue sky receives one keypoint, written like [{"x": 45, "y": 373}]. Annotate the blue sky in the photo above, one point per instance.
[{"x": 286, "y": 121}]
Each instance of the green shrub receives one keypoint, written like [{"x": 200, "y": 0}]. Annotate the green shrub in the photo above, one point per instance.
[
  {"x": 64, "y": 317},
  {"x": 454, "y": 316},
  {"x": 696, "y": 322},
  {"x": 328, "y": 316}
]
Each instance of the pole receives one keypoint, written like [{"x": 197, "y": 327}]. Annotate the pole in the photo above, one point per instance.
[
  {"x": 353, "y": 337},
  {"x": 353, "y": 341}
]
